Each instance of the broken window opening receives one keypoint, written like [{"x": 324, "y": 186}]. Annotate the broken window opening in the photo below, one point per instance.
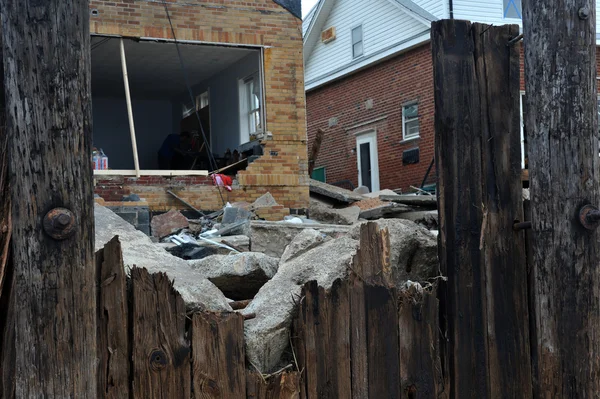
[{"x": 164, "y": 120}]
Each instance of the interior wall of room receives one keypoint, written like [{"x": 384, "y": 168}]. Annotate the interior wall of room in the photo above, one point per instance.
[
  {"x": 224, "y": 102},
  {"x": 153, "y": 123}
]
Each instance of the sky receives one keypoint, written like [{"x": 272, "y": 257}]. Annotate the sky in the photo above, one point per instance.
[{"x": 307, "y": 5}]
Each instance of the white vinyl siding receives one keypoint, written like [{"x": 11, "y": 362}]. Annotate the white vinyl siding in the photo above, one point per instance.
[
  {"x": 439, "y": 8},
  {"x": 383, "y": 25}
]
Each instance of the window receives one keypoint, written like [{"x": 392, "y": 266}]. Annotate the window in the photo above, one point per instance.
[
  {"x": 250, "y": 107},
  {"x": 357, "y": 42},
  {"x": 202, "y": 100},
  {"x": 410, "y": 121},
  {"x": 512, "y": 9}
]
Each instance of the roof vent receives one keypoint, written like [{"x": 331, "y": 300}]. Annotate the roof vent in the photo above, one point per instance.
[{"x": 328, "y": 35}]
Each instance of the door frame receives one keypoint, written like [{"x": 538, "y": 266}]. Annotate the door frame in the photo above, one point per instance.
[{"x": 369, "y": 136}]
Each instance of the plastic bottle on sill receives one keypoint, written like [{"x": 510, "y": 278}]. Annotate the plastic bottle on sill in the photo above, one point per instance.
[
  {"x": 103, "y": 160},
  {"x": 96, "y": 159}
]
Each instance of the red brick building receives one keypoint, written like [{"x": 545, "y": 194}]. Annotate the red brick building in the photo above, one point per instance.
[{"x": 369, "y": 85}]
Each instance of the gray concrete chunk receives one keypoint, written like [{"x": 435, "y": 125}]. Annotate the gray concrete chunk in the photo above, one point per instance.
[{"x": 140, "y": 251}]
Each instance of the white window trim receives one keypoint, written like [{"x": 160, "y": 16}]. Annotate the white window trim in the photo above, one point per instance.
[
  {"x": 364, "y": 136},
  {"x": 149, "y": 172},
  {"x": 362, "y": 40},
  {"x": 404, "y": 130},
  {"x": 245, "y": 111}
]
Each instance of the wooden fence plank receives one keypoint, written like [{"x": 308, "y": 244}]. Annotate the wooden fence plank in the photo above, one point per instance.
[
  {"x": 113, "y": 323},
  {"x": 312, "y": 356},
  {"x": 476, "y": 81},
  {"x": 46, "y": 57},
  {"x": 562, "y": 133},
  {"x": 161, "y": 354},
  {"x": 339, "y": 361},
  {"x": 420, "y": 366},
  {"x": 282, "y": 386},
  {"x": 382, "y": 342},
  {"x": 218, "y": 355},
  {"x": 358, "y": 338}
]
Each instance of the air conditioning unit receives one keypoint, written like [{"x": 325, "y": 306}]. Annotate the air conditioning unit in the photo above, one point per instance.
[{"x": 328, "y": 35}]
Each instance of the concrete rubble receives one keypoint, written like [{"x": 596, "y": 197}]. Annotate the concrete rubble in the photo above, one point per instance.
[
  {"x": 139, "y": 250},
  {"x": 326, "y": 213},
  {"x": 235, "y": 255},
  {"x": 267, "y": 336},
  {"x": 238, "y": 276},
  {"x": 168, "y": 223}
]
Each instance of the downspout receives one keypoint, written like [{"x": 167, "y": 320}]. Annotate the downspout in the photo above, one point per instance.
[{"x": 451, "y": 9}]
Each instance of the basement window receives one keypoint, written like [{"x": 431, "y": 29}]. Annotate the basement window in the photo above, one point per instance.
[
  {"x": 162, "y": 108},
  {"x": 357, "y": 42},
  {"x": 410, "y": 121}
]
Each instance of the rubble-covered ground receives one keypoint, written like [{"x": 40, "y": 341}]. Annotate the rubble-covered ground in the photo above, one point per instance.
[{"x": 232, "y": 255}]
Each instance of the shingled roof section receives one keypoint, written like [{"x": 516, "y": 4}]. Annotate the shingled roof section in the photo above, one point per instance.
[{"x": 293, "y": 6}]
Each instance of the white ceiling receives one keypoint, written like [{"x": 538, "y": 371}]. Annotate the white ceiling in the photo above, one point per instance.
[{"x": 153, "y": 67}]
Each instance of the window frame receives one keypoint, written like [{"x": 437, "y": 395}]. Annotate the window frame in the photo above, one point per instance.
[
  {"x": 361, "y": 41},
  {"x": 249, "y": 113},
  {"x": 405, "y": 120}
]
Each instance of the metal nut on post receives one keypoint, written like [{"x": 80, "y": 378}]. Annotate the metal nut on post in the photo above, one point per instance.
[
  {"x": 59, "y": 223},
  {"x": 584, "y": 13},
  {"x": 589, "y": 216}
]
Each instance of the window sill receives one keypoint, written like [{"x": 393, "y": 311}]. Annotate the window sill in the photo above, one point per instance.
[
  {"x": 167, "y": 173},
  {"x": 408, "y": 140}
]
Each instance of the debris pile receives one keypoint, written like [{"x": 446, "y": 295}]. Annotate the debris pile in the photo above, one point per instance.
[{"x": 231, "y": 259}]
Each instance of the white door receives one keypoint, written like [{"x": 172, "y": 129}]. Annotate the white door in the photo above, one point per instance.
[{"x": 368, "y": 163}]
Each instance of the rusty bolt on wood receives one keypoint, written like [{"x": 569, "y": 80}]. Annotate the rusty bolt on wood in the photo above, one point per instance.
[
  {"x": 521, "y": 226},
  {"x": 589, "y": 216},
  {"x": 59, "y": 223}
]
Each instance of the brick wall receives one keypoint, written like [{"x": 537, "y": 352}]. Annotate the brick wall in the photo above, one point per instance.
[
  {"x": 196, "y": 190},
  {"x": 283, "y": 169},
  {"x": 390, "y": 85}
]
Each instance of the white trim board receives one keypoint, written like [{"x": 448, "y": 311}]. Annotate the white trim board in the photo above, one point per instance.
[{"x": 131, "y": 172}]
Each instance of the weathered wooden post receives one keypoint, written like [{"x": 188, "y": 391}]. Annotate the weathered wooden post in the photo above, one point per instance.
[
  {"x": 477, "y": 139},
  {"x": 560, "y": 76},
  {"x": 46, "y": 51}
]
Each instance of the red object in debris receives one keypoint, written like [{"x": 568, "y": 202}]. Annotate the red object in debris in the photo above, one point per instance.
[{"x": 222, "y": 180}]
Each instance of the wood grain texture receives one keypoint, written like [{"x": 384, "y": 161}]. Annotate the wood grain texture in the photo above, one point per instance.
[
  {"x": 161, "y": 352},
  {"x": 477, "y": 138},
  {"x": 418, "y": 323},
  {"x": 46, "y": 58},
  {"x": 561, "y": 121},
  {"x": 281, "y": 386},
  {"x": 114, "y": 348},
  {"x": 218, "y": 356}
]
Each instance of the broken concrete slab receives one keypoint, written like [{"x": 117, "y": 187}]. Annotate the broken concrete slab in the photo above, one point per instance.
[
  {"x": 333, "y": 192},
  {"x": 378, "y": 194},
  {"x": 234, "y": 214},
  {"x": 168, "y": 223},
  {"x": 264, "y": 201},
  {"x": 238, "y": 276},
  {"x": 413, "y": 253},
  {"x": 271, "y": 238},
  {"x": 267, "y": 335},
  {"x": 389, "y": 210},
  {"x": 425, "y": 201},
  {"x": 139, "y": 250},
  {"x": 362, "y": 190},
  {"x": 427, "y": 219},
  {"x": 323, "y": 212},
  {"x": 305, "y": 241}
]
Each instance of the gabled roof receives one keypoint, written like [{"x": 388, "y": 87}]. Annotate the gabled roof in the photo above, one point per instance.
[
  {"x": 293, "y": 6},
  {"x": 315, "y": 20}
]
